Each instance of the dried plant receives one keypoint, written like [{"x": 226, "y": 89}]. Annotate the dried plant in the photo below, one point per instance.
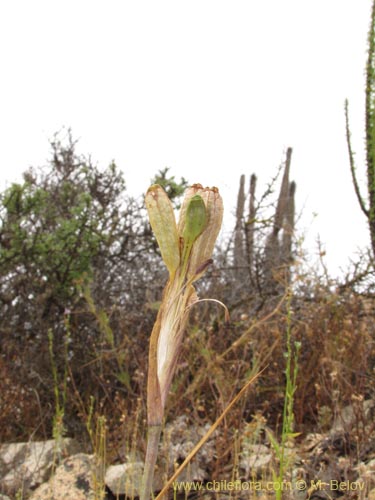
[{"x": 186, "y": 249}]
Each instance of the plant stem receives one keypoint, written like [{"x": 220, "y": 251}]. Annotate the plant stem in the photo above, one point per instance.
[
  {"x": 151, "y": 456},
  {"x": 290, "y": 389}
]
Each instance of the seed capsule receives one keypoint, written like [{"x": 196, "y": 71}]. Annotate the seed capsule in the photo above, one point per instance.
[
  {"x": 204, "y": 245},
  {"x": 195, "y": 222}
]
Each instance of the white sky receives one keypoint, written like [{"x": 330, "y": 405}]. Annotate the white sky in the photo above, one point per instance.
[{"x": 210, "y": 88}]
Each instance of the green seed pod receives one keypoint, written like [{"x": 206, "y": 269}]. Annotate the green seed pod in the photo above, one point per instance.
[
  {"x": 196, "y": 219},
  {"x": 194, "y": 224},
  {"x": 204, "y": 245},
  {"x": 190, "y": 192}
]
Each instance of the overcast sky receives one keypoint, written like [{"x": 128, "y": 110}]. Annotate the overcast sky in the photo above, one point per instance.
[{"x": 209, "y": 88}]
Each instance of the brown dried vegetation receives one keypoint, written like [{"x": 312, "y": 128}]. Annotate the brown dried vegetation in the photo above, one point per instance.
[{"x": 104, "y": 314}]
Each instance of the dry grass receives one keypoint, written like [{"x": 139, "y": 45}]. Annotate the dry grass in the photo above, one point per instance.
[{"x": 336, "y": 365}]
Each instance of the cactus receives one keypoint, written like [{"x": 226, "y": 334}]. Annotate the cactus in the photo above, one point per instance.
[
  {"x": 277, "y": 257},
  {"x": 288, "y": 229},
  {"x": 239, "y": 250},
  {"x": 282, "y": 201},
  {"x": 369, "y": 210},
  {"x": 278, "y": 251},
  {"x": 250, "y": 226}
]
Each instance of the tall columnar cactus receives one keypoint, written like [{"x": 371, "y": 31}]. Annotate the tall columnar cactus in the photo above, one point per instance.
[
  {"x": 278, "y": 254},
  {"x": 278, "y": 244},
  {"x": 288, "y": 230},
  {"x": 239, "y": 250},
  {"x": 250, "y": 226},
  {"x": 369, "y": 208},
  {"x": 282, "y": 201}
]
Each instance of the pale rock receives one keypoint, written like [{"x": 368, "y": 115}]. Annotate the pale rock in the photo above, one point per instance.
[
  {"x": 126, "y": 479},
  {"x": 77, "y": 478},
  {"x": 26, "y": 465},
  {"x": 179, "y": 439},
  {"x": 254, "y": 459}
]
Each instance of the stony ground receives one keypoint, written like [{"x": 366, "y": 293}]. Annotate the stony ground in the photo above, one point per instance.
[{"x": 339, "y": 463}]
